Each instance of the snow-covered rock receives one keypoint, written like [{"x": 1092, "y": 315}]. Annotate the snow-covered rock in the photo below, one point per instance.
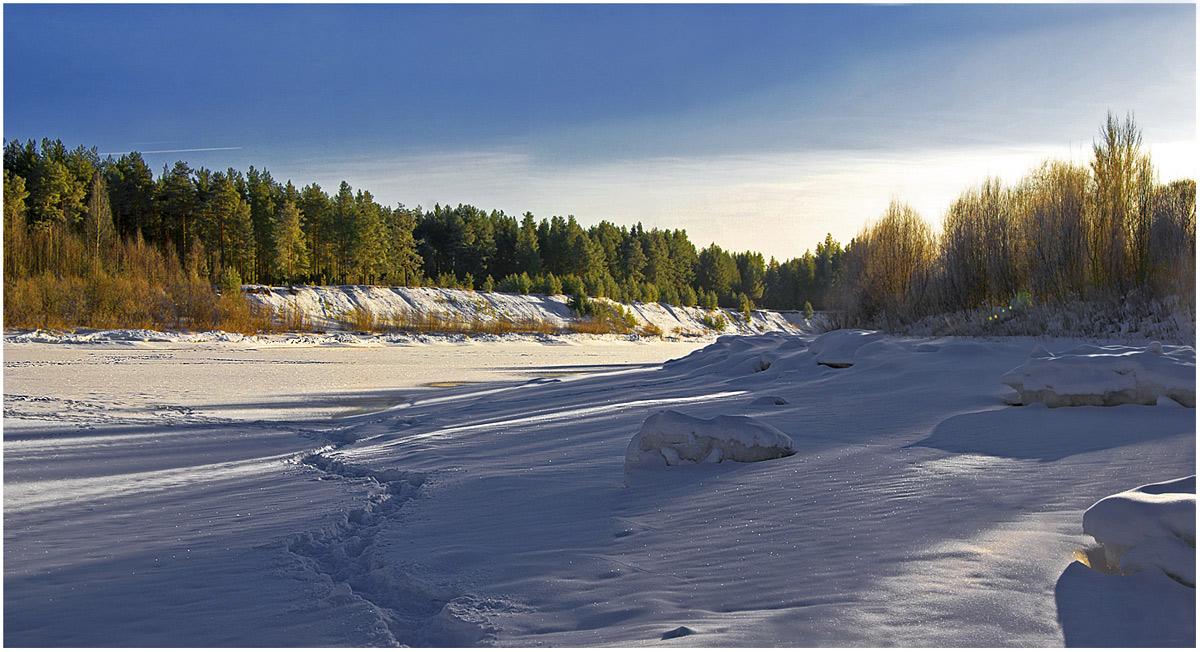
[
  {"x": 1152, "y": 526},
  {"x": 1106, "y": 375},
  {"x": 672, "y": 438},
  {"x": 839, "y": 348}
]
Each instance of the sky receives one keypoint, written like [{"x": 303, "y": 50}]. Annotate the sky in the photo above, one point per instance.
[{"x": 758, "y": 127}]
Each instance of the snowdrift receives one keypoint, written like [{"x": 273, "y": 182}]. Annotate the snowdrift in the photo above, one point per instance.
[
  {"x": 1106, "y": 375},
  {"x": 673, "y": 438},
  {"x": 1152, "y": 526},
  {"x": 330, "y": 306}
]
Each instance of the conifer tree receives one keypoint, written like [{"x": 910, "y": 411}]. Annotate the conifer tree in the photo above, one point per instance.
[
  {"x": 341, "y": 221},
  {"x": 527, "y": 256},
  {"x": 131, "y": 193},
  {"x": 291, "y": 250},
  {"x": 314, "y": 208},
  {"x": 261, "y": 194},
  {"x": 366, "y": 238},
  {"x": 404, "y": 263},
  {"x": 175, "y": 200}
]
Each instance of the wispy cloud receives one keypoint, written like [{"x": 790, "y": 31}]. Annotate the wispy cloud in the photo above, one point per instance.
[{"x": 170, "y": 151}]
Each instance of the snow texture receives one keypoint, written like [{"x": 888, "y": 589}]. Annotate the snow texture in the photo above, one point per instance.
[
  {"x": 1105, "y": 375},
  {"x": 673, "y": 438},
  {"x": 1152, "y": 526}
]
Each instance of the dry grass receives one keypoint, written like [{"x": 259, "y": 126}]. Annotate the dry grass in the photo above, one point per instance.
[
  {"x": 680, "y": 332},
  {"x": 292, "y": 318},
  {"x": 650, "y": 330},
  {"x": 437, "y": 322}
]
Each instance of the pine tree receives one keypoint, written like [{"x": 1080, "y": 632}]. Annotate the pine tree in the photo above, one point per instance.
[
  {"x": 131, "y": 192},
  {"x": 342, "y": 216},
  {"x": 367, "y": 251},
  {"x": 175, "y": 199},
  {"x": 717, "y": 272},
  {"x": 53, "y": 198},
  {"x": 262, "y": 195},
  {"x": 403, "y": 261},
  {"x": 290, "y": 261},
  {"x": 634, "y": 261},
  {"x": 527, "y": 256},
  {"x": 314, "y": 210},
  {"x": 229, "y": 231}
]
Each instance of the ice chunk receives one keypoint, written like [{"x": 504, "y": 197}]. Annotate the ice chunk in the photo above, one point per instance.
[
  {"x": 674, "y": 438},
  {"x": 1152, "y": 526},
  {"x": 1106, "y": 375}
]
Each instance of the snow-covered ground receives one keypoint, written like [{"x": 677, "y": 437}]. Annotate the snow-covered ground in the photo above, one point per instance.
[{"x": 440, "y": 491}]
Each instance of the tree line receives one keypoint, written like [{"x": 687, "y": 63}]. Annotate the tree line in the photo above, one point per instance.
[
  {"x": 232, "y": 227},
  {"x": 1064, "y": 231}
]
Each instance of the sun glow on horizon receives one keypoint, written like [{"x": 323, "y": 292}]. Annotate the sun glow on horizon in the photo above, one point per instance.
[{"x": 779, "y": 204}]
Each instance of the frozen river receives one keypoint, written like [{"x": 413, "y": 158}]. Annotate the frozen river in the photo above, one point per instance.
[{"x": 475, "y": 493}]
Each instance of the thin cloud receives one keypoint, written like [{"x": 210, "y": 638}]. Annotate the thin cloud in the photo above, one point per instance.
[{"x": 171, "y": 151}]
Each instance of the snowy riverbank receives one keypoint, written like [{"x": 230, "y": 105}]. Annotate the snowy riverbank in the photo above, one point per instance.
[
  {"x": 471, "y": 492},
  {"x": 329, "y": 306}
]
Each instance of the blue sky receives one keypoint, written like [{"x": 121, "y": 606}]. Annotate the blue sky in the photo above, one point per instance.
[{"x": 756, "y": 126}]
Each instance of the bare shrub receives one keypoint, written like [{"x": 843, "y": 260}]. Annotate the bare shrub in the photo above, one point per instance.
[
  {"x": 885, "y": 260},
  {"x": 1052, "y": 203},
  {"x": 980, "y": 247}
]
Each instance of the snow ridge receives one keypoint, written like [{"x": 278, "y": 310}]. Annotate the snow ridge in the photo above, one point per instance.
[{"x": 345, "y": 558}]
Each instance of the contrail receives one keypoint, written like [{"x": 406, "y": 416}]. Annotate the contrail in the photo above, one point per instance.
[{"x": 171, "y": 151}]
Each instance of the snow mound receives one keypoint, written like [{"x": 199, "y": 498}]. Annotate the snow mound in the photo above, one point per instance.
[
  {"x": 839, "y": 349},
  {"x": 1106, "y": 375},
  {"x": 1152, "y": 526},
  {"x": 733, "y": 357},
  {"x": 673, "y": 438}
]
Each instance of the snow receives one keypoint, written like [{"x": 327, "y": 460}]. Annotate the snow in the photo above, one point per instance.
[
  {"x": 1106, "y": 375},
  {"x": 305, "y": 490},
  {"x": 1152, "y": 526},
  {"x": 675, "y": 438}
]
